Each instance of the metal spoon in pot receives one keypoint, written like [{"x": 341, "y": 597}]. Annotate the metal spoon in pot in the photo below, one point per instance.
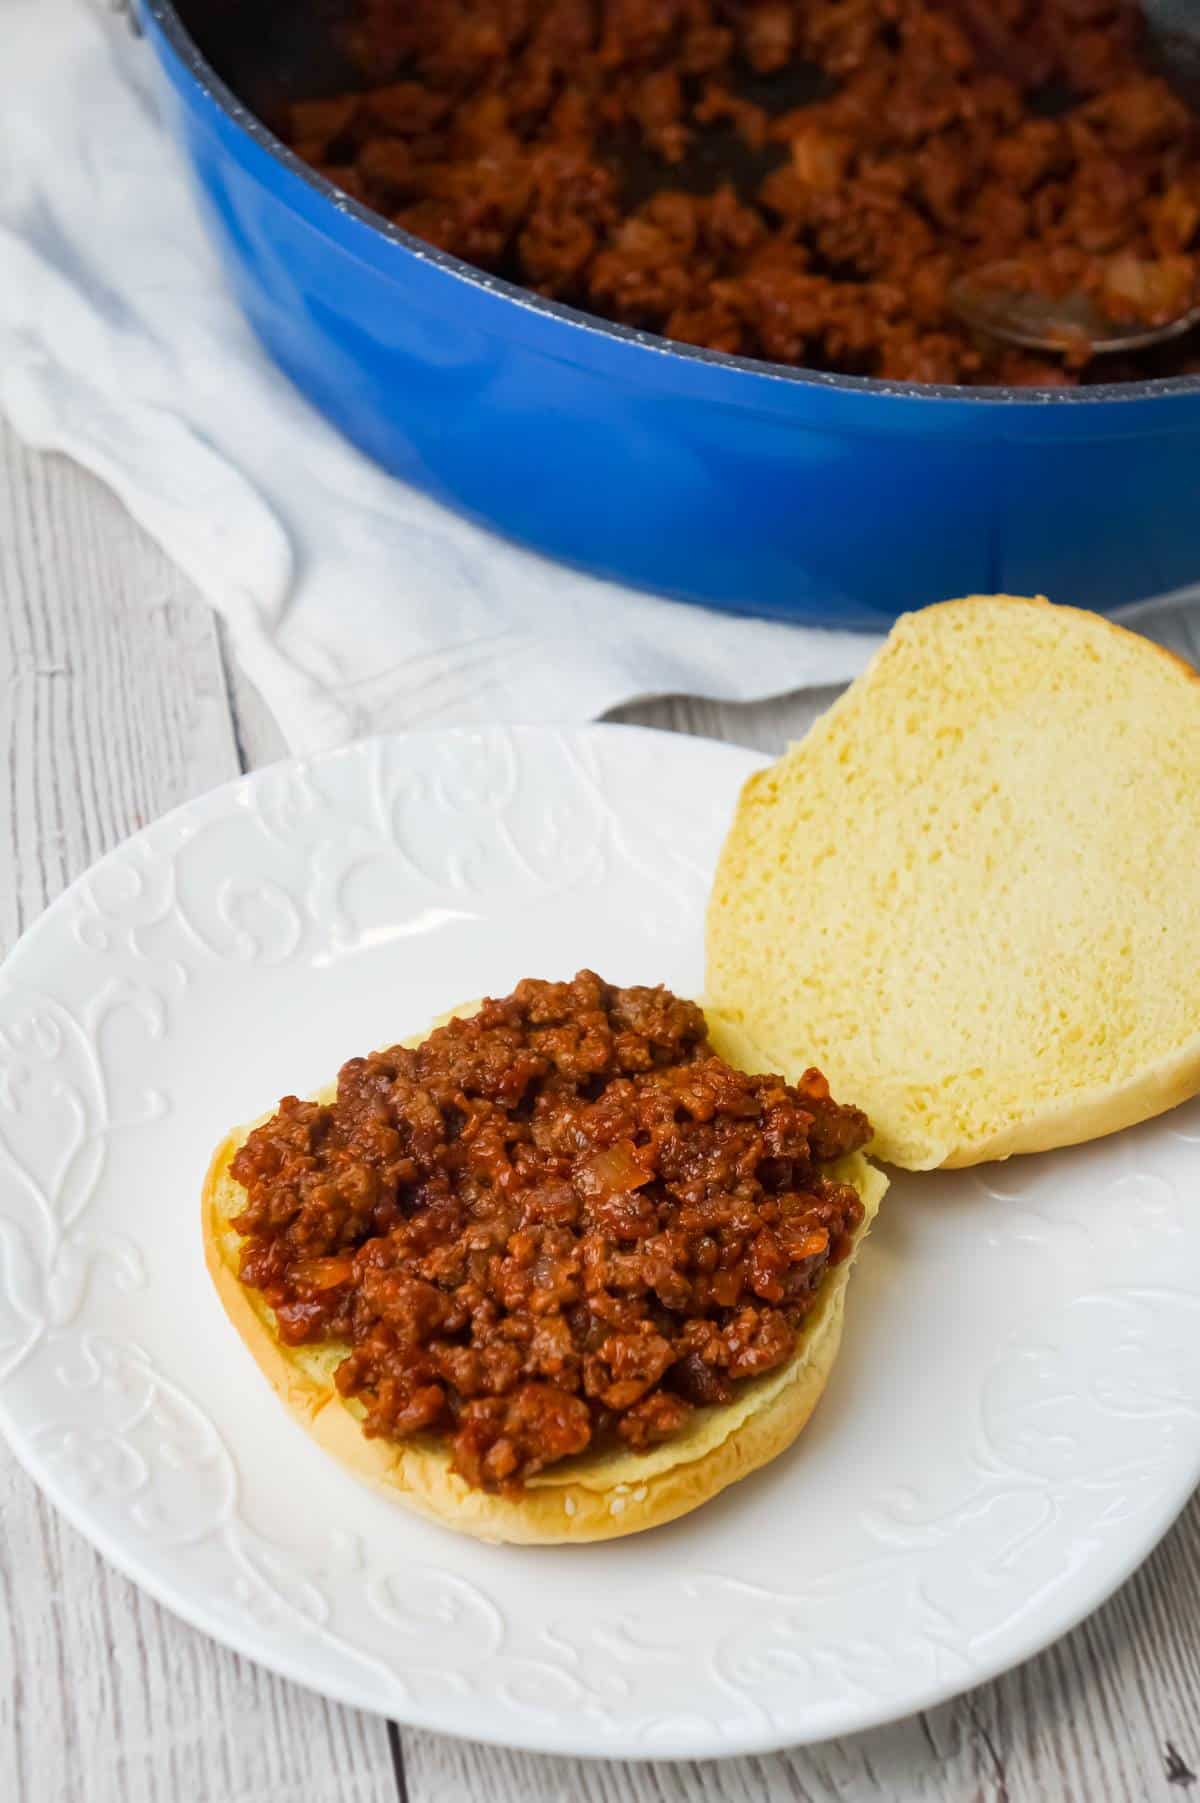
[{"x": 989, "y": 302}]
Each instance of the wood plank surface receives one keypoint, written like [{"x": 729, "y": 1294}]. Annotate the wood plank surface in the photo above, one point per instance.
[
  {"x": 113, "y": 708},
  {"x": 115, "y": 703}
]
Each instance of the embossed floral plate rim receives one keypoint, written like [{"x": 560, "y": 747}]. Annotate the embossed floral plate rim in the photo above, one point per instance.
[{"x": 397, "y": 858}]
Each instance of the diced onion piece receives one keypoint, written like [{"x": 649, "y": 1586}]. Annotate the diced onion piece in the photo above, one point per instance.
[
  {"x": 614, "y": 1171},
  {"x": 323, "y": 1273}
]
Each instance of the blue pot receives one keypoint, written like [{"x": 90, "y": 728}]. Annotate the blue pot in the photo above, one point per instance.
[{"x": 831, "y": 499}]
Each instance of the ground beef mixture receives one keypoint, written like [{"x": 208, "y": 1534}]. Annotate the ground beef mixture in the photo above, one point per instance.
[
  {"x": 561, "y": 1223},
  {"x": 798, "y": 180}
]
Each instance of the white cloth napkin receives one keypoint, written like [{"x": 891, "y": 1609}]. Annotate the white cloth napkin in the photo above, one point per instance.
[{"x": 355, "y": 603}]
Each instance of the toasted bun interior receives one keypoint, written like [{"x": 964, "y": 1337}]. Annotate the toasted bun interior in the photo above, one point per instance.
[
  {"x": 969, "y": 895},
  {"x": 596, "y": 1496}
]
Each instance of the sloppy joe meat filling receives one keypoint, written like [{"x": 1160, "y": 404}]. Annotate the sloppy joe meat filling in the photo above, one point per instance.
[
  {"x": 562, "y": 1223},
  {"x": 797, "y": 180}
]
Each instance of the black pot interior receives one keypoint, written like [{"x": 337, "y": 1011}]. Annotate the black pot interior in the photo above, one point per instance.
[{"x": 270, "y": 54}]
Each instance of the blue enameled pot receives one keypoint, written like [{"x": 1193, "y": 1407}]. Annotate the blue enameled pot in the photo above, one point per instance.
[{"x": 830, "y": 499}]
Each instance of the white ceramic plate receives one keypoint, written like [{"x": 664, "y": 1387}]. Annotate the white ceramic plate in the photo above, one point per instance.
[{"x": 1014, "y": 1421}]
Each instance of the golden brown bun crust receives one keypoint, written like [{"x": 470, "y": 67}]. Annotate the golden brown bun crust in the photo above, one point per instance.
[{"x": 594, "y": 1497}]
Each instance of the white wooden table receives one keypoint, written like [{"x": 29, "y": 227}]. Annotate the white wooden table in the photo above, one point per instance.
[{"x": 118, "y": 700}]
